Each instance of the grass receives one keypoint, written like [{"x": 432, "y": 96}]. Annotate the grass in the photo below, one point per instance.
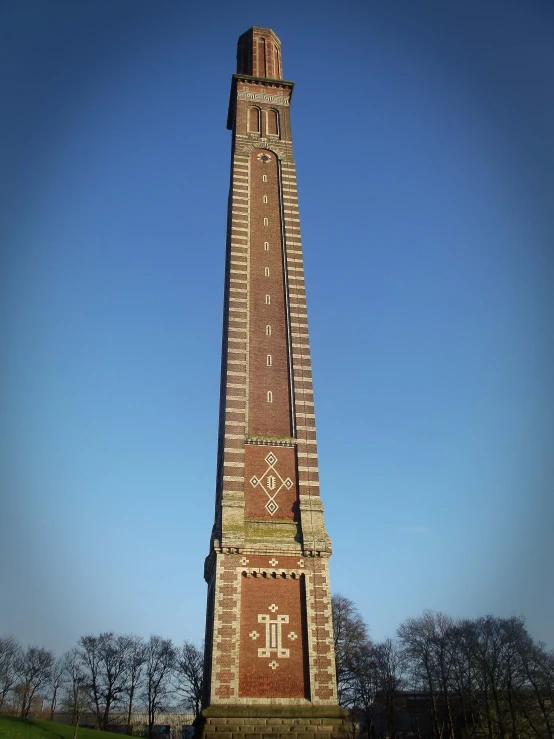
[{"x": 12, "y": 727}]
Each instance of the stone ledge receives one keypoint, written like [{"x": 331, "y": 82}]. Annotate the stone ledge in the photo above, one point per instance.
[
  {"x": 274, "y": 711},
  {"x": 261, "y": 733}
]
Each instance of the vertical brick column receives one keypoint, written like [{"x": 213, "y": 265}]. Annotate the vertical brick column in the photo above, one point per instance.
[{"x": 269, "y": 633}]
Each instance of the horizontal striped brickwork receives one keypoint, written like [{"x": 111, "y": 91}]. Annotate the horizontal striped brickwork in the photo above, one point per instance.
[{"x": 266, "y": 352}]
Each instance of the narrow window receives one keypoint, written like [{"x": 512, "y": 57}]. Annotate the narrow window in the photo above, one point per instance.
[
  {"x": 254, "y": 120},
  {"x": 265, "y": 198},
  {"x": 266, "y": 222},
  {"x": 269, "y": 360},
  {"x": 266, "y": 271},
  {"x": 268, "y": 330},
  {"x": 264, "y": 178},
  {"x": 266, "y": 245},
  {"x": 272, "y": 122},
  {"x": 263, "y": 60},
  {"x": 267, "y": 300},
  {"x": 269, "y": 396}
]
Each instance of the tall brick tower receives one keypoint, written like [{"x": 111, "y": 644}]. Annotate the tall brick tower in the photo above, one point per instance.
[{"x": 269, "y": 632}]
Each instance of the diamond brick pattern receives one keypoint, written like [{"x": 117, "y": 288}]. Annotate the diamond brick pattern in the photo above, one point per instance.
[{"x": 271, "y": 483}]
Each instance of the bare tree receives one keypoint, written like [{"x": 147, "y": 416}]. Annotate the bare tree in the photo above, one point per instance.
[
  {"x": 55, "y": 682},
  {"x": 498, "y": 674},
  {"x": 350, "y": 636},
  {"x": 81, "y": 702},
  {"x": 160, "y": 661},
  {"x": 363, "y": 686},
  {"x": 189, "y": 672},
  {"x": 73, "y": 680},
  {"x": 36, "y": 665},
  {"x": 427, "y": 648},
  {"x": 389, "y": 666},
  {"x": 537, "y": 698},
  {"x": 113, "y": 665},
  {"x": 90, "y": 660},
  {"x": 135, "y": 658},
  {"x": 10, "y": 662},
  {"x": 480, "y": 677},
  {"x": 464, "y": 686},
  {"x": 105, "y": 659}
]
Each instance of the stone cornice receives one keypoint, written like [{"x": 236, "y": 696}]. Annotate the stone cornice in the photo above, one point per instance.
[{"x": 265, "y": 81}]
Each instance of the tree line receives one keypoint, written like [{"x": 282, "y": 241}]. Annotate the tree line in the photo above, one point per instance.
[
  {"x": 445, "y": 678},
  {"x": 439, "y": 678},
  {"x": 105, "y": 674}
]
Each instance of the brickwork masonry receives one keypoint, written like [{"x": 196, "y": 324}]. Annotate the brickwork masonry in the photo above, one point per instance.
[{"x": 270, "y": 666}]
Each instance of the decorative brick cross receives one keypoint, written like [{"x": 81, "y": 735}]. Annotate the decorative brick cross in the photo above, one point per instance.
[{"x": 273, "y": 634}]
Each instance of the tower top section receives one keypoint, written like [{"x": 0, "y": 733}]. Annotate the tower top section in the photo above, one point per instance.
[{"x": 259, "y": 54}]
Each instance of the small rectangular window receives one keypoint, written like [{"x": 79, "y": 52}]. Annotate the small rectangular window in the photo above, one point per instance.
[
  {"x": 269, "y": 396},
  {"x": 268, "y": 330},
  {"x": 267, "y": 300},
  {"x": 265, "y": 198},
  {"x": 266, "y": 222},
  {"x": 269, "y": 360},
  {"x": 266, "y": 246},
  {"x": 266, "y": 271},
  {"x": 264, "y": 178}
]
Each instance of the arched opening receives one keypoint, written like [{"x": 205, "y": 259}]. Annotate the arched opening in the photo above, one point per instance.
[
  {"x": 273, "y": 122},
  {"x": 254, "y": 119}
]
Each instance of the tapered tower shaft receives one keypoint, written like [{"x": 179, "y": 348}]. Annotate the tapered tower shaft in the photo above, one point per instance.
[{"x": 269, "y": 634}]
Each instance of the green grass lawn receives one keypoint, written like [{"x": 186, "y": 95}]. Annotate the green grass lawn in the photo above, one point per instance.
[{"x": 31, "y": 728}]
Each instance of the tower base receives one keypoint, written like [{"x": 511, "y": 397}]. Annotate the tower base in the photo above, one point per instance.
[{"x": 271, "y": 722}]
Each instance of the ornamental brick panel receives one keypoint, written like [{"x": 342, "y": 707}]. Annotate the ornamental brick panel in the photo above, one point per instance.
[
  {"x": 270, "y": 490},
  {"x": 273, "y": 660}
]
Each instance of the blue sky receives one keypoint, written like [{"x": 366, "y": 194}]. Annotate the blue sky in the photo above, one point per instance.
[{"x": 423, "y": 140}]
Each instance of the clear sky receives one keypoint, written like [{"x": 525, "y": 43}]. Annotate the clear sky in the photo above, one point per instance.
[{"x": 423, "y": 139}]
